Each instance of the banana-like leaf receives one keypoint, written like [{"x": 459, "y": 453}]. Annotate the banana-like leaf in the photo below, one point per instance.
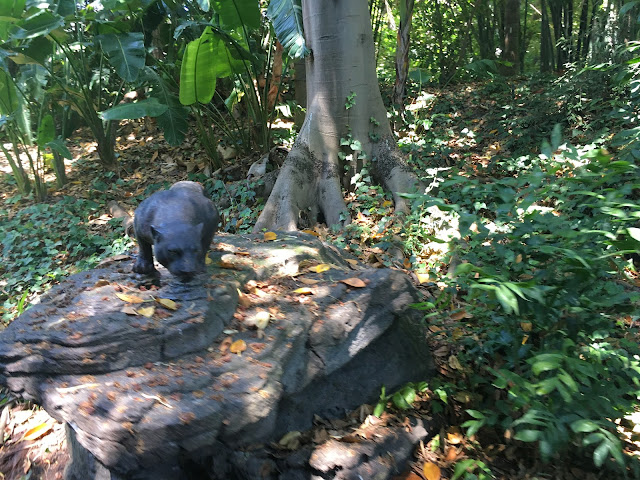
[
  {"x": 198, "y": 74},
  {"x": 12, "y": 8},
  {"x": 149, "y": 107},
  {"x": 37, "y": 25},
  {"x": 173, "y": 122},
  {"x": 125, "y": 52},
  {"x": 8, "y": 94},
  {"x": 286, "y": 18},
  {"x": 46, "y": 130},
  {"x": 238, "y": 13}
]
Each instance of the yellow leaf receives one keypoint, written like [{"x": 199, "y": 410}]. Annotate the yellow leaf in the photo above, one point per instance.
[
  {"x": 260, "y": 320},
  {"x": 36, "y": 431},
  {"x": 431, "y": 471},
  {"x": 406, "y": 263},
  {"x": 460, "y": 314},
  {"x": 352, "y": 261},
  {"x": 147, "y": 311},
  {"x": 387, "y": 203},
  {"x": 243, "y": 300},
  {"x": 524, "y": 339},
  {"x": 526, "y": 326},
  {"x": 454, "y": 363},
  {"x": 129, "y": 298},
  {"x": 423, "y": 277},
  {"x": 238, "y": 346},
  {"x": 519, "y": 258},
  {"x": 167, "y": 303},
  {"x": 354, "y": 282},
  {"x": 322, "y": 267},
  {"x": 303, "y": 291},
  {"x": 207, "y": 260},
  {"x": 454, "y": 436},
  {"x": 311, "y": 232},
  {"x": 309, "y": 281},
  {"x": 269, "y": 236}
]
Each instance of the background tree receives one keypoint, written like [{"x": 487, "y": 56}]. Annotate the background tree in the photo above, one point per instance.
[
  {"x": 345, "y": 128},
  {"x": 512, "y": 36}
]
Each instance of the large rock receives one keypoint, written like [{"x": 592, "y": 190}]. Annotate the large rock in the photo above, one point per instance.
[{"x": 155, "y": 396}]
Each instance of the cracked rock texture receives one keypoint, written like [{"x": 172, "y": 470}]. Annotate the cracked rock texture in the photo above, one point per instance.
[{"x": 163, "y": 394}]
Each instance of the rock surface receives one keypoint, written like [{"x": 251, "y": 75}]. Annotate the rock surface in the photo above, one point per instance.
[{"x": 160, "y": 390}]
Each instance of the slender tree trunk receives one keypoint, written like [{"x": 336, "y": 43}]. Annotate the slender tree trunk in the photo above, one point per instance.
[
  {"x": 546, "y": 44},
  {"x": 582, "y": 49},
  {"x": 402, "y": 52},
  {"x": 341, "y": 66},
  {"x": 512, "y": 36},
  {"x": 524, "y": 42}
]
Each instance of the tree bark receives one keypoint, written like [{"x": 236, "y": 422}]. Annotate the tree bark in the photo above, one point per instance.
[
  {"x": 512, "y": 36},
  {"x": 402, "y": 52},
  {"x": 341, "y": 65}
]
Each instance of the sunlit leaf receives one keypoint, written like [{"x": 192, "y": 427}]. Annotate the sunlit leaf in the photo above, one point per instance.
[
  {"x": 354, "y": 282},
  {"x": 167, "y": 303},
  {"x": 269, "y": 236},
  {"x": 238, "y": 346},
  {"x": 37, "y": 431},
  {"x": 322, "y": 267},
  {"x": 129, "y": 298},
  {"x": 147, "y": 311},
  {"x": 303, "y": 291},
  {"x": 125, "y": 52},
  {"x": 431, "y": 471}
]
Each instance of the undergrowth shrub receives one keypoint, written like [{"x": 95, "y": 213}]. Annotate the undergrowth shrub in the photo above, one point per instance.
[
  {"x": 43, "y": 243},
  {"x": 548, "y": 338}
]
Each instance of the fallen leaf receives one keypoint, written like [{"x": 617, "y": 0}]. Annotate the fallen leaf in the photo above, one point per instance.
[
  {"x": 238, "y": 346},
  {"x": 260, "y": 320},
  {"x": 406, "y": 263},
  {"x": 460, "y": 314},
  {"x": 36, "y": 431},
  {"x": 207, "y": 260},
  {"x": 303, "y": 291},
  {"x": 322, "y": 267},
  {"x": 408, "y": 476},
  {"x": 243, "y": 300},
  {"x": 519, "y": 258},
  {"x": 423, "y": 277},
  {"x": 454, "y": 363},
  {"x": 269, "y": 236},
  {"x": 309, "y": 281},
  {"x": 354, "y": 282},
  {"x": 311, "y": 232},
  {"x": 290, "y": 441},
  {"x": 387, "y": 203},
  {"x": 147, "y": 311},
  {"x": 129, "y": 310},
  {"x": 454, "y": 435},
  {"x": 167, "y": 303},
  {"x": 101, "y": 283},
  {"x": 352, "y": 261},
  {"x": 431, "y": 471},
  {"x": 129, "y": 298}
]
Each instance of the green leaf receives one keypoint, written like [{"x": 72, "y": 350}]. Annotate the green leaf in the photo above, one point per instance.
[
  {"x": 379, "y": 408},
  {"x": 584, "y": 426},
  {"x": 634, "y": 233},
  {"x": 40, "y": 24},
  {"x": 57, "y": 145},
  {"x": 8, "y": 94},
  {"x": 125, "y": 52},
  {"x": 198, "y": 72},
  {"x": 149, "y": 107},
  {"x": 601, "y": 453},
  {"x": 12, "y": 8},
  {"x": 286, "y": 18},
  {"x": 528, "y": 435},
  {"x": 238, "y": 13},
  {"x": 545, "y": 362},
  {"x": 173, "y": 122},
  {"x": 46, "y": 130}
]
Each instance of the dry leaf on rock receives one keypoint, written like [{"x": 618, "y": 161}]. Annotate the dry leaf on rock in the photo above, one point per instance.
[
  {"x": 322, "y": 267},
  {"x": 129, "y": 310},
  {"x": 309, "y": 281},
  {"x": 167, "y": 303},
  {"x": 303, "y": 291},
  {"x": 129, "y": 298},
  {"x": 270, "y": 236},
  {"x": 147, "y": 311},
  {"x": 354, "y": 282},
  {"x": 37, "y": 431},
  {"x": 238, "y": 346}
]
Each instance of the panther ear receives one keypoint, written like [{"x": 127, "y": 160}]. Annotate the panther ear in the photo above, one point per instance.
[{"x": 156, "y": 233}]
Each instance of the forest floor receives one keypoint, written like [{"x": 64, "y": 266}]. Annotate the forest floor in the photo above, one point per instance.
[{"x": 469, "y": 126}]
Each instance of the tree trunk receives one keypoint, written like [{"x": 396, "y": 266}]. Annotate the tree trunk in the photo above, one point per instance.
[
  {"x": 402, "y": 52},
  {"x": 512, "y": 36},
  {"x": 341, "y": 66},
  {"x": 581, "y": 49},
  {"x": 546, "y": 44}
]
